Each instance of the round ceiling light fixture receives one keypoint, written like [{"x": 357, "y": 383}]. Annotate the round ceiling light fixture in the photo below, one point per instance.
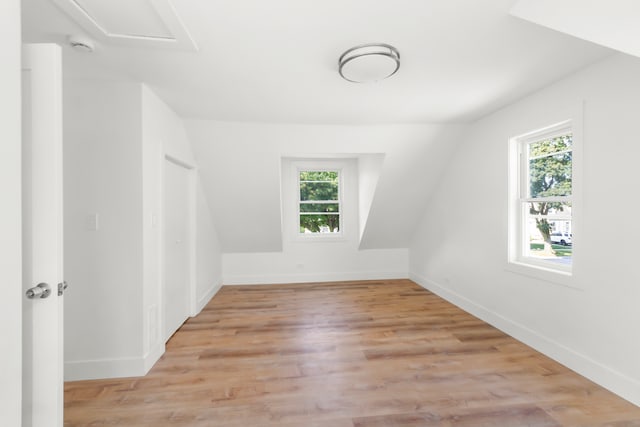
[
  {"x": 81, "y": 43},
  {"x": 369, "y": 63}
]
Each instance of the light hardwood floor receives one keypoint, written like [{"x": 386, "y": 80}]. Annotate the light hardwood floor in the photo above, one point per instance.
[{"x": 356, "y": 354}]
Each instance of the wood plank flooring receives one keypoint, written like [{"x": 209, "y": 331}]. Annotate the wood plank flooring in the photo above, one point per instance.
[{"x": 346, "y": 354}]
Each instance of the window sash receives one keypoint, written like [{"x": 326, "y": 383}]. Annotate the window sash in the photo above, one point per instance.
[
  {"x": 542, "y": 156},
  {"x": 523, "y": 200},
  {"x": 338, "y": 202}
]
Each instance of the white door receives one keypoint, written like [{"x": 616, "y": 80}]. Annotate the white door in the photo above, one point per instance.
[
  {"x": 42, "y": 349},
  {"x": 176, "y": 246}
]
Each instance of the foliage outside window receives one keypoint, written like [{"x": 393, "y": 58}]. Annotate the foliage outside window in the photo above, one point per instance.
[
  {"x": 545, "y": 198},
  {"x": 319, "y": 201}
]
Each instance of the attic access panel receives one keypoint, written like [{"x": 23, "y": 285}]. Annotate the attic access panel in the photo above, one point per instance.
[{"x": 133, "y": 23}]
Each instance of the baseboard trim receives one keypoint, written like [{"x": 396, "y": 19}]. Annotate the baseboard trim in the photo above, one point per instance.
[
  {"x": 80, "y": 370},
  {"x": 152, "y": 357},
  {"x": 626, "y": 387},
  {"x": 312, "y": 277},
  {"x": 204, "y": 300},
  {"x": 105, "y": 368}
]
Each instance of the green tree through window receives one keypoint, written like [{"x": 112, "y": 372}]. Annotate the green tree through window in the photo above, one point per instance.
[
  {"x": 319, "y": 201},
  {"x": 550, "y": 167},
  {"x": 545, "y": 188}
]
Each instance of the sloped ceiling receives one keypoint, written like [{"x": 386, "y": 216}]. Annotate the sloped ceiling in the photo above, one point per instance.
[
  {"x": 240, "y": 166},
  {"x": 264, "y": 84},
  {"x": 276, "y": 60},
  {"x": 611, "y": 23}
]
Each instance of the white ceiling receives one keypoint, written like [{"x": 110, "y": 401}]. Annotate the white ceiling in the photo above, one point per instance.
[
  {"x": 613, "y": 23},
  {"x": 276, "y": 60}
]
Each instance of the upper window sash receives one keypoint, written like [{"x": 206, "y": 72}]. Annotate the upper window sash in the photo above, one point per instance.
[
  {"x": 523, "y": 142},
  {"x": 301, "y": 202}
]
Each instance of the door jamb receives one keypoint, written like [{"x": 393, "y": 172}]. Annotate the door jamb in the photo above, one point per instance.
[{"x": 191, "y": 226}]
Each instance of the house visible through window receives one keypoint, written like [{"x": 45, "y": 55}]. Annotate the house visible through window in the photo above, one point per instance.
[
  {"x": 543, "y": 225},
  {"x": 319, "y": 201}
]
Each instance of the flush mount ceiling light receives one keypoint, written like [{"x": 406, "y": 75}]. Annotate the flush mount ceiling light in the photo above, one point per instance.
[
  {"x": 369, "y": 63},
  {"x": 81, "y": 43}
]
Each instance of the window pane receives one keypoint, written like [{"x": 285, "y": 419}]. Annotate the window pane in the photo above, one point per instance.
[
  {"x": 547, "y": 233},
  {"x": 319, "y": 207},
  {"x": 551, "y": 146},
  {"x": 319, "y": 176},
  {"x": 318, "y": 191},
  {"x": 550, "y": 175},
  {"x": 326, "y": 223},
  {"x": 319, "y": 201}
]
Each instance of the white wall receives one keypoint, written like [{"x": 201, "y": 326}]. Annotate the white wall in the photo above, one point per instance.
[
  {"x": 314, "y": 263},
  {"x": 163, "y": 134},
  {"x": 317, "y": 258},
  {"x": 208, "y": 252},
  {"x": 10, "y": 216},
  {"x": 104, "y": 267},
  {"x": 369, "y": 170},
  {"x": 240, "y": 166},
  {"x": 612, "y": 23},
  {"x": 460, "y": 250},
  {"x": 116, "y": 137},
  {"x": 241, "y": 169}
]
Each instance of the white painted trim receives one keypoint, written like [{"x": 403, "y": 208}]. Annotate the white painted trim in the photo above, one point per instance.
[
  {"x": 618, "y": 383},
  {"x": 104, "y": 368},
  {"x": 290, "y": 187},
  {"x": 192, "y": 177},
  {"x": 112, "y": 368},
  {"x": 529, "y": 266},
  {"x": 43, "y": 392},
  {"x": 179, "y": 37},
  {"x": 261, "y": 279},
  {"x": 193, "y": 240},
  {"x": 308, "y": 167},
  {"x": 152, "y": 357},
  {"x": 11, "y": 216},
  {"x": 541, "y": 272},
  {"x": 204, "y": 300}
]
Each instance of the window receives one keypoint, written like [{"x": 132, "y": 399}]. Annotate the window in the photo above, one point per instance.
[
  {"x": 541, "y": 227},
  {"x": 319, "y": 201}
]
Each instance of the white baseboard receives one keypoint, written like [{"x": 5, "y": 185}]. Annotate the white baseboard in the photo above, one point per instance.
[
  {"x": 204, "y": 300},
  {"x": 152, "y": 357},
  {"x": 79, "y": 370},
  {"x": 311, "y": 277},
  {"x": 616, "y": 382},
  {"x": 101, "y": 369}
]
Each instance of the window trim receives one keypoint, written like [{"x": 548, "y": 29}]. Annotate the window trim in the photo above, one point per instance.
[
  {"x": 317, "y": 168},
  {"x": 516, "y": 261},
  {"x": 348, "y": 165}
]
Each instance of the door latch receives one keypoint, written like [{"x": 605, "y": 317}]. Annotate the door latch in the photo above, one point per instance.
[{"x": 62, "y": 287}]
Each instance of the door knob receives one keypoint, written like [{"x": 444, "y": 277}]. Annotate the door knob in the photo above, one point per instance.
[{"x": 41, "y": 291}]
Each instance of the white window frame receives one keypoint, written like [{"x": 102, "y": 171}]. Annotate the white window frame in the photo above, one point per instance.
[
  {"x": 301, "y": 168},
  {"x": 518, "y": 196}
]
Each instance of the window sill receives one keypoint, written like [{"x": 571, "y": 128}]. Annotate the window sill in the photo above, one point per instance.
[
  {"x": 564, "y": 278},
  {"x": 318, "y": 238}
]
